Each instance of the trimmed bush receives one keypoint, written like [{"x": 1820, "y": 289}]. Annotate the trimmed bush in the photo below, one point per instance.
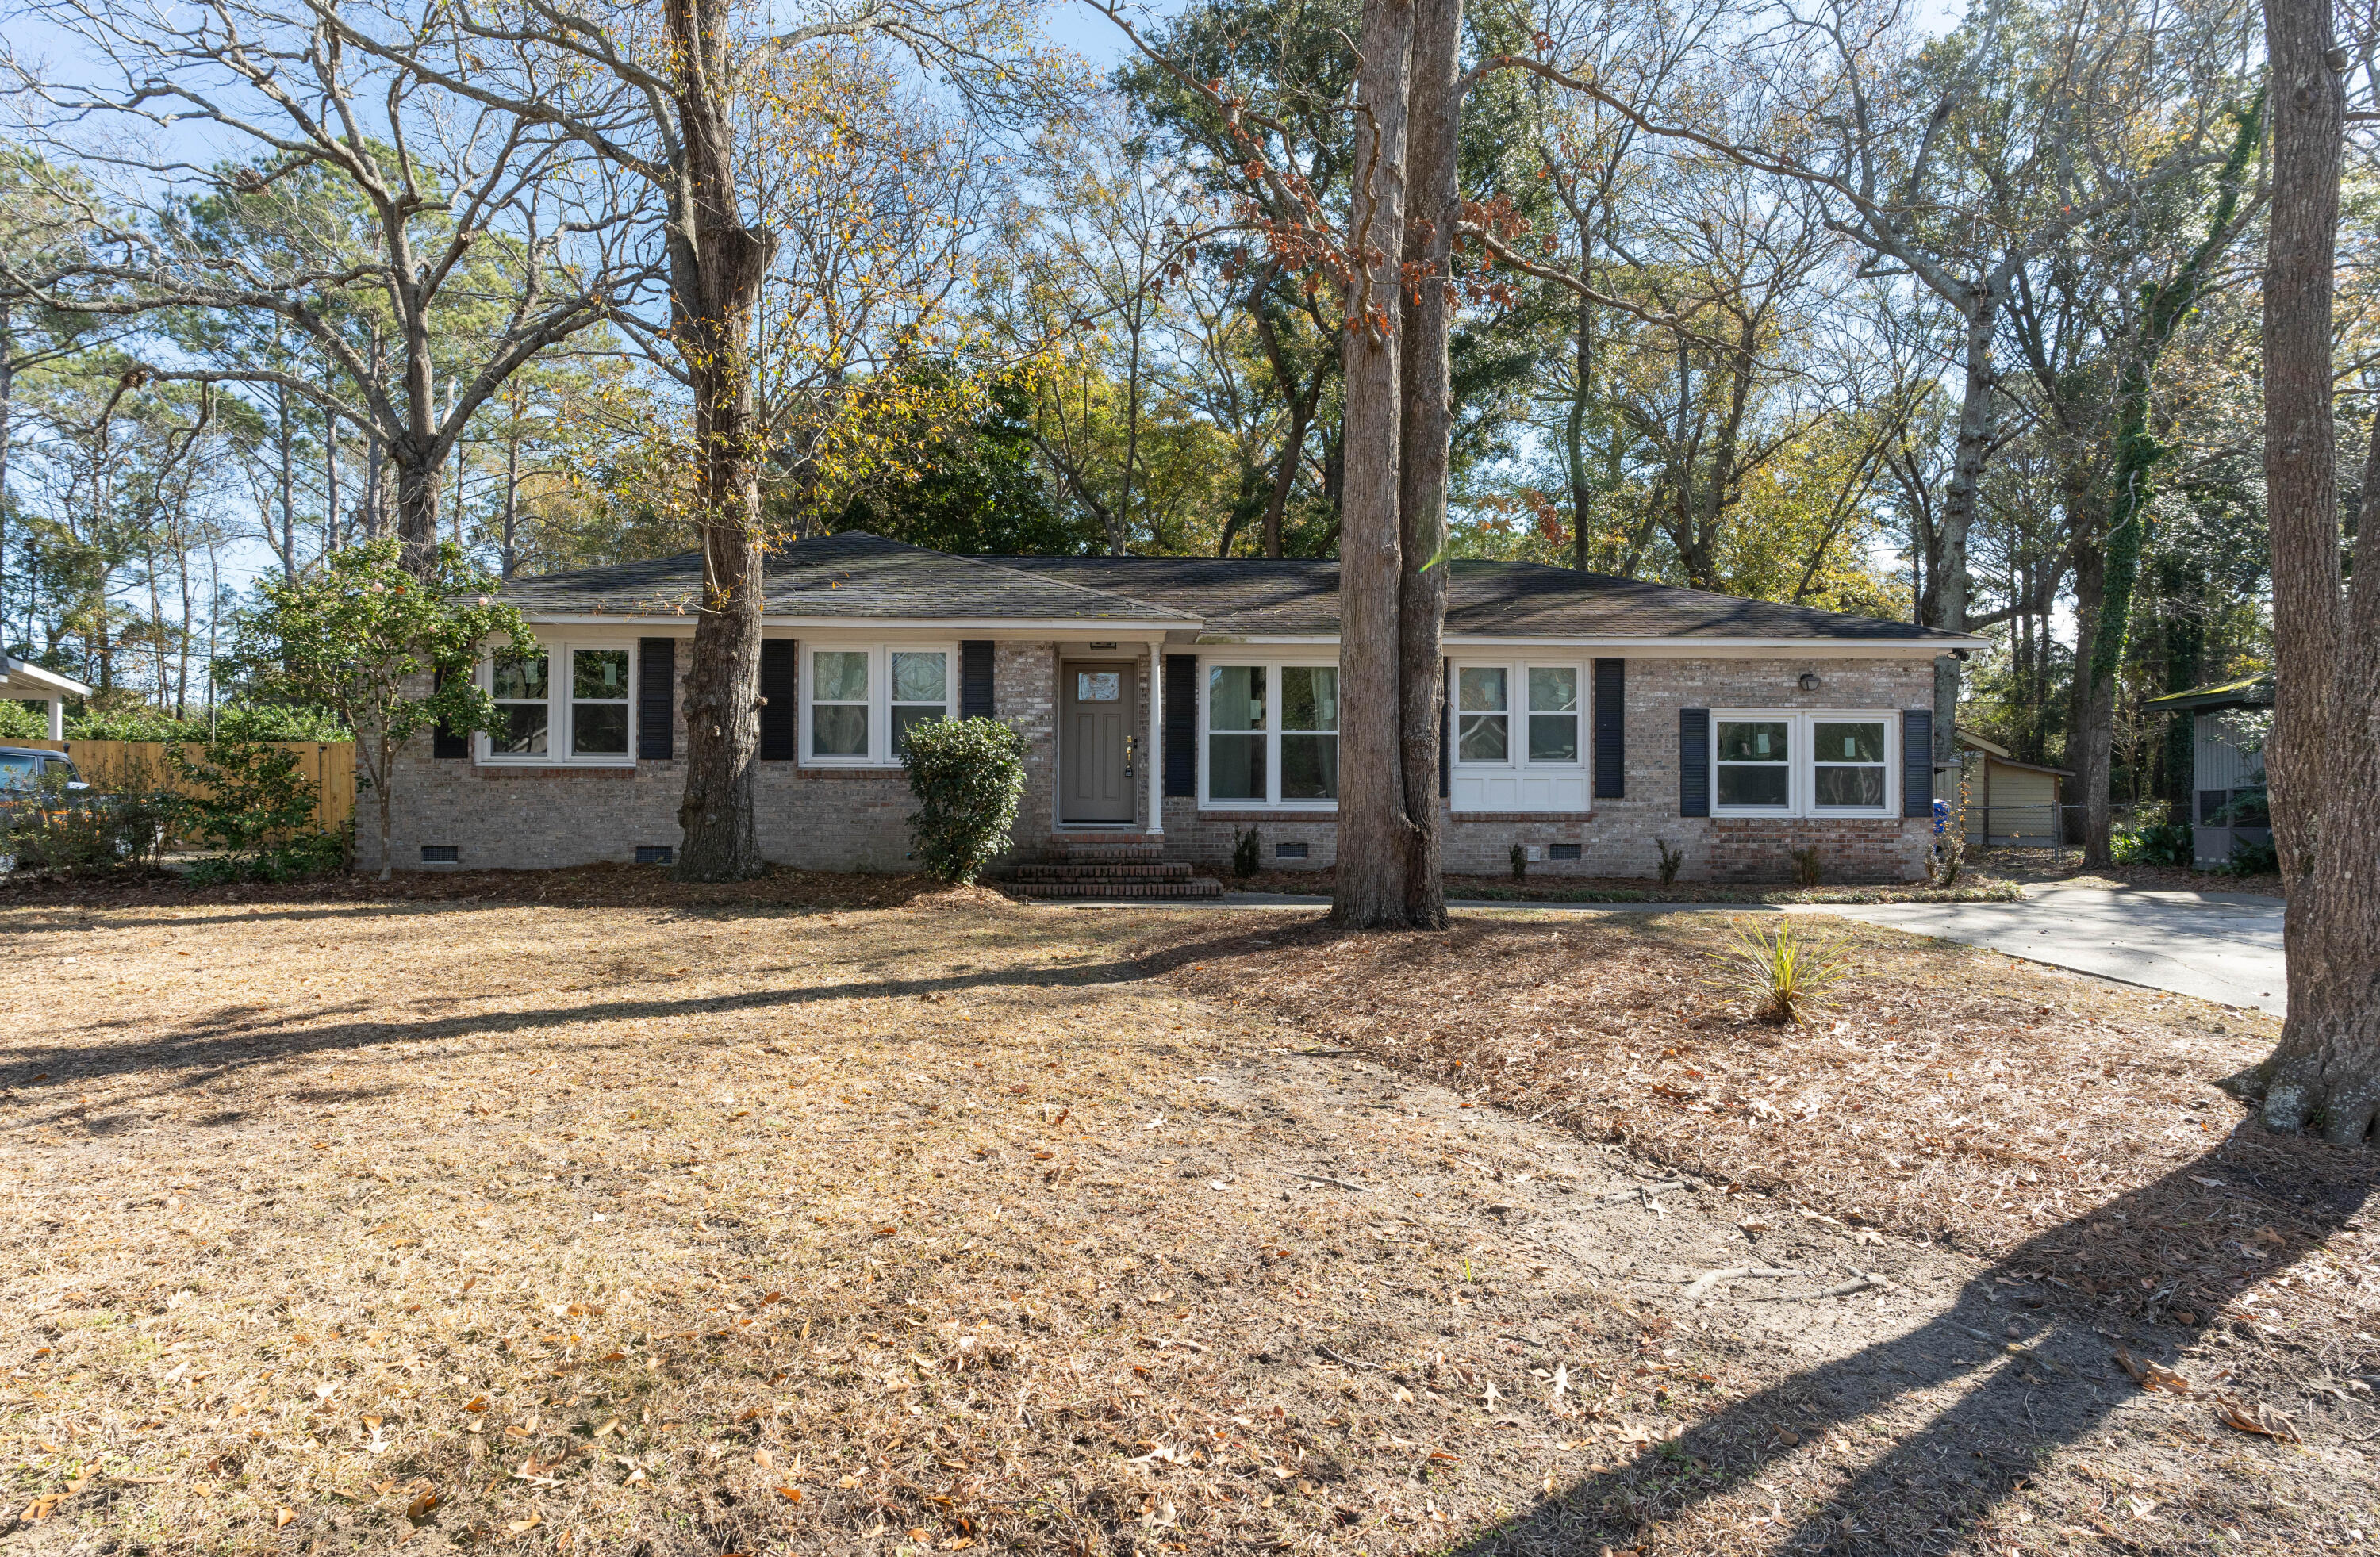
[
  {"x": 71, "y": 831},
  {"x": 1248, "y": 853},
  {"x": 255, "y": 801},
  {"x": 968, "y": 776}
]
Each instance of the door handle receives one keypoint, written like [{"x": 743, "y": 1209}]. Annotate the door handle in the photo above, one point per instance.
[{"x": 1131, "y": 750}]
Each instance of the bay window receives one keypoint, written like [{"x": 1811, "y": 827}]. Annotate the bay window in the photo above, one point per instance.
[
  {"x": 860, "y": 701},
  {"x": 1518, "y": 736},
  {"x": 1825, "y": 763},
  {"x": 1271, "y": 734},
  {"x": 567, "y": 703}
]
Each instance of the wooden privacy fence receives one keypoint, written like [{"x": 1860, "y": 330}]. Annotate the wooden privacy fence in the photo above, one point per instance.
[{"x": 138, "y": 765}]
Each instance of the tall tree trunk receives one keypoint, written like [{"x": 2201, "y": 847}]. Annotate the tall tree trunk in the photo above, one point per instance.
[
  {"x": 2090, "y": 574},
  {"x": 1944, "y": 602},
  {"x": 1424, "y": 447},
  {"x": 417, "y": 512},
  {"x": 2324, "y": 759},
  {"x": 1582, "y": 396},
  {"x": 716, "y": 264},
  {"x": 7, "y": 404},
  {"x": 1371, "y": 890}
]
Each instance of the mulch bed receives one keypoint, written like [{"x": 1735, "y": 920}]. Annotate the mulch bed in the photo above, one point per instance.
[
  {"x": 1973, "y": 888},
  {"x": 1947, "y": 1094}
]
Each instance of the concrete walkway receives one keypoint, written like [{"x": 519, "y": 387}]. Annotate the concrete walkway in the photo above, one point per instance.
[{"x": 2218, "y": 945}]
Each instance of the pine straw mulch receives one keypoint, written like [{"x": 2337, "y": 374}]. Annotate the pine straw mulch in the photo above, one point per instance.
[
  {"x": 2074, "y": 1130},
  {"x": 1549, "y": 888}
]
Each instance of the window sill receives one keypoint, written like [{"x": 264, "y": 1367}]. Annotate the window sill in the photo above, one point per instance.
[
  {"x": 552, "y": 764},
  {"x": 1266, "y": 811}
]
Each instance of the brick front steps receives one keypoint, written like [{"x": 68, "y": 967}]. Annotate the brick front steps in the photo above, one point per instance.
[{"x": 1110, "y": 866}]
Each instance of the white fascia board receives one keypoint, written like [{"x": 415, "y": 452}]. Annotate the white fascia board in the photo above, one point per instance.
[
  {"x": 16, "y": 675},
  {"x": 887, "y": 627}
]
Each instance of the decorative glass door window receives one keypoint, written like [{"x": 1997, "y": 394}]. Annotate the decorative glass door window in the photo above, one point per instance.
[
  {"x": 1483, "y": 723},
  {"x": 599, "y": 703},
  {"x": 921, "y": 691},
  {"x": 1236, "y": 733},
  {"x": 1309, "y": 732},
  {"x": 1553, "y": 713},
  {"x": 523, "y": 700},
  {"x": 839, "y": 703},
  {"x": 1846, "y": 765},
  {"x": 1098, "y": 686},
  {"x": 1754, "y": 764}
]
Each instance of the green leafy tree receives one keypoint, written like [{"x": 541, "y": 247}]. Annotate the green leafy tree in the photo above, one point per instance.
[{"x": 390, "y": 651}]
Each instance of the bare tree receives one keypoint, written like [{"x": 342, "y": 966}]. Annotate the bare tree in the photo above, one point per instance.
[
  {"x": 356, "y": 190},
  {"x": 1953, "y": 166}
]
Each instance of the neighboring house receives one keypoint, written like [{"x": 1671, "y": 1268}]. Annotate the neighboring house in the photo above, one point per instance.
[
  {"x": 2228, "y": 724},
  {"x": 24, "y": 682},
  {"x": 2009, "y": 802},
  {"x": 1175, "y": 701}
]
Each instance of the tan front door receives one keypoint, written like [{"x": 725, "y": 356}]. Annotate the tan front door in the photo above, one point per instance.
[{"x": 1095, "y": 752}]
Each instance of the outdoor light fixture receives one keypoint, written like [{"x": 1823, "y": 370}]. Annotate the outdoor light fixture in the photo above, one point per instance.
[{"x": 1809, "y": 681}]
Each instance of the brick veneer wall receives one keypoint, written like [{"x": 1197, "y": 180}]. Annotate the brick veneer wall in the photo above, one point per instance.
[
  {"x": 840, "y": 819},
  {"x": 1621, "y": 837}
]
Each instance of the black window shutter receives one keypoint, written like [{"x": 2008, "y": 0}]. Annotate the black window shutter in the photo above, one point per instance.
[
  {"x": 1917, "y": 762},
  {"x": 781, "y": 677},
  {"x": 1610, "y": 729},
  {"x": 975, "y": 679},
  {"x": 656, "y": 717},
  {"x": 445, "y": 742},
  {"x": 1693, "y": 762},
  {"x": 1182, "y": 725}
]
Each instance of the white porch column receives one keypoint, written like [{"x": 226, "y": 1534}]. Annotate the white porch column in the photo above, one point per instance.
[
  {"x": 1156, "y": 748},
  {"x": 57, "y": 719}
]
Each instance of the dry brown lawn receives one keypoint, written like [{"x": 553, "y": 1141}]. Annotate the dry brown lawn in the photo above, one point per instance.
[{"x": 584, "y": 1213}]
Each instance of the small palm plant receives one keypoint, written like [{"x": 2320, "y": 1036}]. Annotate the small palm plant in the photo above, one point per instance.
[{"x": 1784, "y": 970}]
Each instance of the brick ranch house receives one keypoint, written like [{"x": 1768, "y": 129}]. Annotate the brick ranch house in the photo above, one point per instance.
[{"x": 1172, "y": 702}]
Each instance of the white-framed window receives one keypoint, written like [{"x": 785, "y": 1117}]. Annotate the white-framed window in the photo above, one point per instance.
[
  {"x": 1269, "y": 734},
  {"x": 572, "y": 701},
  {"x": 1826, "y": 763},
  {"x": 859, "y": 701},
  {"x": 1518, "y": 734}
]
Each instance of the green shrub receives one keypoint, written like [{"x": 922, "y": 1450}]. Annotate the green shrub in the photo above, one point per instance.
[
  {"x": 256, "y": 803},
  {"x": 2252, "y": 856},
  {"x": 1520, "y": 858},
  {"x": 19, "y": 722},
  {"x": 2153, "y": 838},
  {"x": 1248, "y": 853},
  {"x": 1670, "y": 859},
  {"x": 968, "y": 776},
  {"x": 76, "y": 832},
  {"x": 233, "y": 721},
  {"x": 1808, "y": 869}
]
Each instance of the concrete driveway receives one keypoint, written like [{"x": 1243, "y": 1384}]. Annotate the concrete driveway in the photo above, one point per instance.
[{"x": 2218, "y": 945}]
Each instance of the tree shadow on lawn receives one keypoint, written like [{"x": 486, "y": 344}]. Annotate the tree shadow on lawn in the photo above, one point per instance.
[
  {"x": 246, "y": 1036},
  {"x": 2023, "y": 1398}
]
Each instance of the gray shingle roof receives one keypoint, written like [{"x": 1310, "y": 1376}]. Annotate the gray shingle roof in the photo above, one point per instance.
[
  {"x": 864, "y": 577},
  {"x": 1485, "y": 599},
  {"x": 854, "y": 575}
]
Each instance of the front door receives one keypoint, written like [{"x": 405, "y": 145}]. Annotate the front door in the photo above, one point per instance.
[{"x": 1095, "y": 741}]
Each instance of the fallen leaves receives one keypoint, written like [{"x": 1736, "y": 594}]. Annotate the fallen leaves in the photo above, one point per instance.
[
  {"x": 2152, "y": 1375},
  {"x": 2260, "y": 1419}
]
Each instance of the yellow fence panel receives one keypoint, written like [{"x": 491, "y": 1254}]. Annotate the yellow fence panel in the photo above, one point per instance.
[{"x": 143, "y": 764}]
